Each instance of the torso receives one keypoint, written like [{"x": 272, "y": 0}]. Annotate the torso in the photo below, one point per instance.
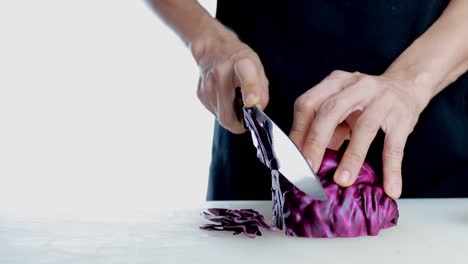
[{"x": 300, "y": 43}]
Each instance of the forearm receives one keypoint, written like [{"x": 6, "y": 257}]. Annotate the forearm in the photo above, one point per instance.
[
  {"x": 439, "y": 56},
  {"x": 194, "y": 25},
  {"x": 186, "y": 17}
]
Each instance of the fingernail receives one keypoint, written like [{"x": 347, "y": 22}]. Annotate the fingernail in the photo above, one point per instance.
[
  {"x": 394, "y": 191},
  {"x": 344, "y": 177},
  {"x": 251, "y": 100}
]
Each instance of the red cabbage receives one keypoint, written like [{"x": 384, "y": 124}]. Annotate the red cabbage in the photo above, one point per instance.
[
  {"x": 244, "y": 221},
  {"x": 359, "y": 210}
]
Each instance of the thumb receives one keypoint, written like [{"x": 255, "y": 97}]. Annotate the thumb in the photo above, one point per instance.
[{"x": 248, "y": 75}]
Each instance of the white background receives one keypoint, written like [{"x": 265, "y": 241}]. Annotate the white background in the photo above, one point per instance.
[{"x": 98, "y": 110}]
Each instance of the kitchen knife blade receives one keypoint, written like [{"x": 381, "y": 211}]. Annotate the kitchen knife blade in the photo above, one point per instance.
[{"x": 276, "y": 150}]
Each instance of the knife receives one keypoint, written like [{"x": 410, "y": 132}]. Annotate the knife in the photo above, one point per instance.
[{"x": 276, "y": 150}]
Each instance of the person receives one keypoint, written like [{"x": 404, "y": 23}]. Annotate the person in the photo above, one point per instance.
[{"x": 383, "y": 81}]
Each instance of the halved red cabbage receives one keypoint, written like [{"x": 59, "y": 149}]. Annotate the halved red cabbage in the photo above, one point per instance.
[{"x": 359, "y": 210}]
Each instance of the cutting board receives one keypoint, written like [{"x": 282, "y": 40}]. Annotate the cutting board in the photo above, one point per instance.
[{"x": 429, "y": 231}]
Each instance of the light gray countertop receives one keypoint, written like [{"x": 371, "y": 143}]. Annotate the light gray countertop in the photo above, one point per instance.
[{"x": 429, "y": 231}]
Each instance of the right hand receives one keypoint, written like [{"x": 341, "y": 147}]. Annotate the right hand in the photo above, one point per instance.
[{"x": 226, "y": 63}]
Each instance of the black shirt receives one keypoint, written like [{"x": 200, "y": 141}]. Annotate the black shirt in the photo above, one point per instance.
[{"x": 299, "y": 44}]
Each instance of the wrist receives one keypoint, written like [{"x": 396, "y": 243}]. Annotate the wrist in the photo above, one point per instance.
[
  {"x": 211, "y": 32},
  {"x": 421, "y": 84}
]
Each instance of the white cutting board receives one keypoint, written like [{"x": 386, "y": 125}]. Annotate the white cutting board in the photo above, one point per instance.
[{"x": 429, "y": 231}]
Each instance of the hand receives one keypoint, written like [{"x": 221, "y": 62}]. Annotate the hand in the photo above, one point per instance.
[
  {"x": 355, "y": 106},
  {"x": 226, "y": 63}
]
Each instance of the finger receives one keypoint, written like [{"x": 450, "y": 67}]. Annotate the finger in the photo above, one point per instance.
[
  {"x": 265, "y": 92},
  {"x": 352, "y": 118},
  {"x": 332, "y": 112},
  {"x": 205, "y": 92},
  {"x": 225, "y": 97},
  {"x": 394, "y": 145},
  {"x": 343, "y": 130},
  {"x": 362, "y": 135},
  {"x": 342, "y": 133},
  {"x": 250, "y": 76},
  {"x": 307, "y": 104}
]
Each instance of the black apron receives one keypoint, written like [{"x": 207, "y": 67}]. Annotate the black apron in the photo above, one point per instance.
[{"x": 299, "y": 44}]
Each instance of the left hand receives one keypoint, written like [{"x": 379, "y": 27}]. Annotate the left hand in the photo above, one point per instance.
[{"x": 355, "y": 106}]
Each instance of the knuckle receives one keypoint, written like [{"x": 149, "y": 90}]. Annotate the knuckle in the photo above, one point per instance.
[
  {"x": 246, "y": 56},
  {"x": 218, "y": 71},
  {"x": 296, "y": 135},
  {"x": 254, "y": 58},
  {"x": 299, "y": 127},
  {"x": 367, "y": 80},
  {"x": 330, "y": 105},
  {"x": 240, "y": 56},
  {"x": 368, "y": 125},
  {"x": 338, "y": 74},
  {"x": 197, "y": 50},
  {"x": 312, "y": 140},
  {"x": 303, "y": 104},
  {"x": 406, "y": 114},
  {"x": 247, "y": 53},
  {"x": 354, "y": 156}
]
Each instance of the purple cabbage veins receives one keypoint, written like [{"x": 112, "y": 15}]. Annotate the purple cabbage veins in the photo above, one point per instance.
[
  {"x": 246, "y": 221},
  {"x": 362, "y": 209}
]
